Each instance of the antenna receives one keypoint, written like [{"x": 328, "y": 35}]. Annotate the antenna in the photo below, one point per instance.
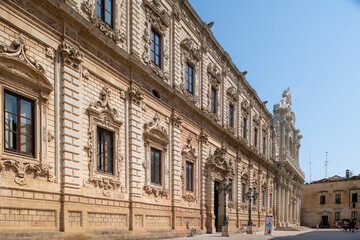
[
  {"x": 310, "y": 161},
  {"x": 326, "y": 163}
]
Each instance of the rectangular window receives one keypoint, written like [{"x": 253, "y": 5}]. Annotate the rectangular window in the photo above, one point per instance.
[
  {"x": 263, "y": 198},
  {"x": 254, "y": 200},
  {"x": 354, "y": 215},
  {"x": 189, "y": 176},
  {"x": 337, "y": 216},
  {"x": 337, "y": 198},
  {"x": 19, "y": 124},
  {"x": 270, "y": 200},
  {"x": 354, "y": 197},
  {"x": 104, "y": 150},
  {"x": 322, "y": 199},
  {"x": 245, "y": 128},
  {"x": 264, "y": 145},
  {"x": 189, "y": 78},
  {"x": 231, "y": 115},
  {"x": 155, "y": 48},
  {"x": 230, "y": 190},
  {"x": 255, "y": 137},
  {"x": 155, "y": 166},
  {"x": 104, "y": 10},
  {"x": 243, "y": 191},
  {"x": 213, "y": 100}
]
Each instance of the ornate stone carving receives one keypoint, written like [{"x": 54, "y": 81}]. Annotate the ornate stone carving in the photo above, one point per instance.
[
  {"x": 104, "y": 101},
  {"x": 102, "y": 114},
  {"x": 176, "y": 120},
  {"x": 156, "y": 17},
  {"x": 191, "y": 48},
  {"x": 70, "y": 56},
  {"x": 103, "y": 27},
  {"x": 204, "y": 137},
  {"x": 156, "y": 191},
  {"x": 232, "y": 93},
  {"x": 214, "y": 75},
  {"x": 18, "y": 49},
  {"x": 21, "y": 167},
  {"x": 155, "y": 130},
  {"x": 219, "y": 161},
  {"x": 189, "y": 155},
  {"x": 85, "y": 73},
  {"x": 50, "y": 52},
  {"x": 135, "y": 95}
]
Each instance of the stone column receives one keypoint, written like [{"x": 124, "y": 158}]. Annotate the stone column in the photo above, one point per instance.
[
  {"x": 137, "y": 164},
  {"x": 177, "y": 166},
  {"x": 278, "y": 205},
  {"x": 287, "y": 206},
  {"x": 71, "y": 149},
  {"x": 283, "y": 206}
]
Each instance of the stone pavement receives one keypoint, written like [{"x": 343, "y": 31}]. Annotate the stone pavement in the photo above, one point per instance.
[{"x": 311, "y": 234}]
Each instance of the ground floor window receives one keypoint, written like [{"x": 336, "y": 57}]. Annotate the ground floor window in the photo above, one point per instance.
[{"x": 337, "y": 216}]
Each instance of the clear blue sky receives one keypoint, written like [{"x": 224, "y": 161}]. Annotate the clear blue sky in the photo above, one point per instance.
[{"x": 311, "y": 46}]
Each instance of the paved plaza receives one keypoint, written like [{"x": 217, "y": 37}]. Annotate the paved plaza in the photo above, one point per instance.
[{"x": 311, "y": 234}]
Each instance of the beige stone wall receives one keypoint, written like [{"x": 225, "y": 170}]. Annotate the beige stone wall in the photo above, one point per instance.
[
  {"x": 311, "y": 209},
  {"x": 93, "y": 76}
]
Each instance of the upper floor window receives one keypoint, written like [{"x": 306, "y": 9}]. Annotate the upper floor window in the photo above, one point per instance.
[
  {"x": 189, "y": 176},
  {"x": 322, "y": 199},
  {"x": 155, "y": 48},
  {"x": 354, "y": 197},
  {"x": 19, "y": 124},
  {"x": 104, "y": 10},
  {"x": 190, "y": 78},
  {"x": 230, "y": 190},
  {"x": 243, "y": 190},
  {"x": 337, "y": 198},
  {"x": 231, "y": 115},
  {"x": 254, "y": 192},
  {"x": 245, "y": 128},
  {"x": 213, "y": 100},
  {"x": 263, "y": 198},
  {"x": 255, "y": 137},
  {"x": 104, "y": 150},
  {"x": 155, "y": 166},
  {"x": 264, "y": 145}
]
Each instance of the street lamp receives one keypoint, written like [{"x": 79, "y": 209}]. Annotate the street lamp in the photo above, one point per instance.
[
  {"x": 226, "y": 188},
  {"x": 249, "y": 197}
]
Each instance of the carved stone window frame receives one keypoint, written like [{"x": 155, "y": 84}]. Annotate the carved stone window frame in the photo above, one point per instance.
[
  {"x": 114, "y": 32},
  {"x": 190, "y": 54},
  {"x": 158, "y": 19},
  {"x": 156, "y": 136},
  {"x": 214, "y": 78},
  {"x": 189, "y": 155},
  {"x": 102, "y": 115},
  {"x": 232, "y": 100},
  {"x": 24, "y": 76}
]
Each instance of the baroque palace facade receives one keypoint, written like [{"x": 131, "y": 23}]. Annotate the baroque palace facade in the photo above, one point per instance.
[{"x": 127, "y": 115}]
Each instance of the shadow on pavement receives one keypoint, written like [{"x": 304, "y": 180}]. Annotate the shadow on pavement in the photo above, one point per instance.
[{"x": 319, "y": 235}]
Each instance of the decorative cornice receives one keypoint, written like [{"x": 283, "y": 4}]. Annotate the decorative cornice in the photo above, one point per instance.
[
  {"x": 232, "y": 93},
  {"x": 190, "y": 46}
]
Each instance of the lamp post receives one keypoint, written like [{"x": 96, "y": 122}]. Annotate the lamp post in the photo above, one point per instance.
[
  {"x": 226, "y": 188},
  {"x": 249, "y": 197}
]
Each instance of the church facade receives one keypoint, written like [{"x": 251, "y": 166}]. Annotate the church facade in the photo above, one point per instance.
[{"x": 128, "y": 116}]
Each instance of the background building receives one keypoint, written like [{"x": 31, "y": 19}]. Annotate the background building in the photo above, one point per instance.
[
  {"x": 330, "y": 200},
  {"x": 126, "y": 117}
]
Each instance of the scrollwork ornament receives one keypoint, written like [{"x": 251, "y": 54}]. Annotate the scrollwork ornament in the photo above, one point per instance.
[{"x": 18, "y": 49}]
